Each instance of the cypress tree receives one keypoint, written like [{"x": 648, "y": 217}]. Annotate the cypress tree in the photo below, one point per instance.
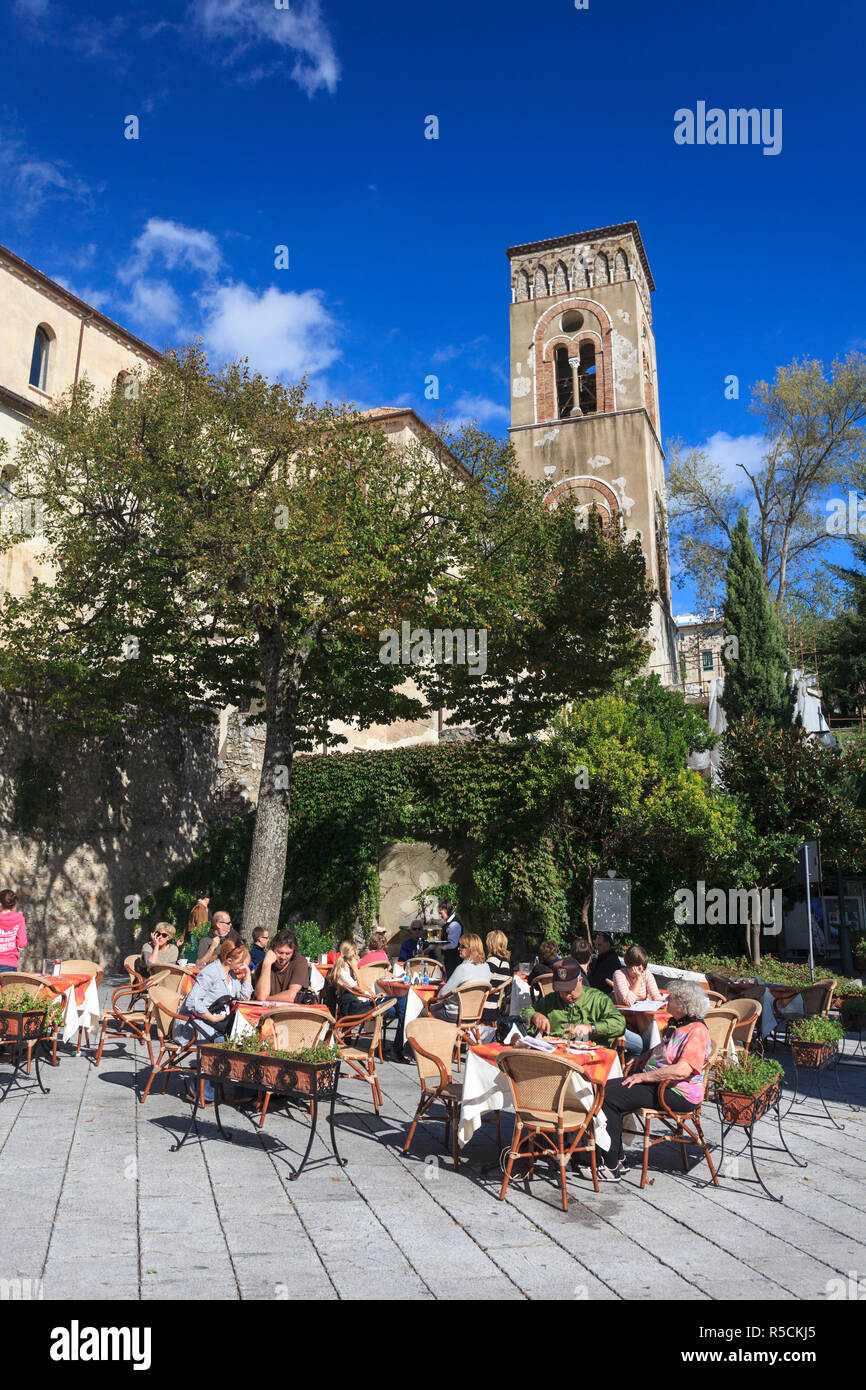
[{"x": 757, "y": 680}]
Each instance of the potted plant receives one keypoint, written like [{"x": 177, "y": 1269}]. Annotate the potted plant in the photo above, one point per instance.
[
  {"x": 860, "y": 953},
  {"x": 815, "y": 1040},
  {"x": 24, "y": 1017},
  {"x": 252, "y": 1061},
  {"x": 747, "y": 1090},
  {"x": 853, "y": 1010}
]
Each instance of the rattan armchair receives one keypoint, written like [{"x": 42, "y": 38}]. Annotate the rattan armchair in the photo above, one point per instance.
[
  {"x": 551, "y": 1118},
  {"x": 434, "y": 968},
  {"x": 433, "y": 1042},
  {"x": 748, "y": 1011},
  {"x": 716, "y": 998},
  {"x": 684, "y": 1128},
  {"x": 471, "y": 999},
  {"x": 290, "y": 1027},
  {"x": 817, "y": 999},
  {"x": 357, "y": 1048},
  {"x": 174, "y": 1057},
  {"x": 540, "y": 986}
]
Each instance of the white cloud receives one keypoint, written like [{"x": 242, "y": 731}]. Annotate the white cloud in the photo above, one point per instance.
[
  {"x": 480, "y": 408},
  {"x": 97, "y": 299},
  {"x": 727, "y": 451},
  {"x": 175, "y": 245},
  {"x": 155, "y": 305},
  {"x": 682, "y": 618},
  {"x": 283, "y": 333},
  {"x": 299, "y": 29}
]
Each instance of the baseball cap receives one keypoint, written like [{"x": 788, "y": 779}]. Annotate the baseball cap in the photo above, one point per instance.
[{"x": 566, "y": 975}]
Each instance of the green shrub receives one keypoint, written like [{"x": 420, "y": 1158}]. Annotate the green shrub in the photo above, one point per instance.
[
  {"x": 312, "y": 942},
  {"x": 256, "y": 1044},
  {"x": 817, "y": 1029},
  {"x": 752, "y": 1075}
]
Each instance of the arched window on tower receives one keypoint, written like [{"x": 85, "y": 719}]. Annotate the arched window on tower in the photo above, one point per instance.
[
  {"x": 620, "y": 266},
  {"x": 521, "y": 287},
  {"x": 587, "y": 379},
  {"x": 560, "y": 279},
  {"x": 39, "y": 359},
  {"x": 579, "y": 280},
  {"x": 601, "y": 273},
  {"x": 564, "y": 383},
  {"x": 541, "y": 289}
]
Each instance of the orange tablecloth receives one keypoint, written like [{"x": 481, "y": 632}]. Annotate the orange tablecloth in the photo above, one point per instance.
[
  {"x": 597, "y": 1065},
  {"x": 61, "y": 983},
  {"x": 395, "y": 987},
  {"x": 641, "y": 1021}
]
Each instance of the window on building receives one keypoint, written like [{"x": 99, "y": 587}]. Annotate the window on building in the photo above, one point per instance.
[
  {"x": 587, "y": 379},
  {"x": 707, "y": 661},
  {"x": 39, "y": 360},
  {"x": 564, "y": 383}
]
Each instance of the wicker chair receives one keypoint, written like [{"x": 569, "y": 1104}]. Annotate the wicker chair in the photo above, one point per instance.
[
  {"x": 164, "y": 1011},
  {"x": 433, "y": 1042},
  {"x": 685, "y": 1129},
  {"x": 130, "y": 965},
  {"x": 80, "y": 967},
  {"x": 541, "y": 985},
  {"x": 358, "y": 1048},
  {"x": 719, "y": 984},
  {"x": 748, "y": 1011},
  {"x": 471, "y": 999},
  {"x": 550, "y": 1118},
  {"x": 716, "y": 998},
  {"x": 369, "y": 974},
  {"x": 164, "y": 973},
  {"x": 817, "y": 999},
  {"x": 128, "y": 1012}
]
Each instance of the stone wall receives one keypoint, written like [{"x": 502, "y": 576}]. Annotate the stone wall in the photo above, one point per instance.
[{"x": 115, "y": 818}]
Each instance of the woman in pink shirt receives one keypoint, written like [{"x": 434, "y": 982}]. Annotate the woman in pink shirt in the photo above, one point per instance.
[
  {"x": 13, "y": 933},
  {"x": 634, "y": 985}
]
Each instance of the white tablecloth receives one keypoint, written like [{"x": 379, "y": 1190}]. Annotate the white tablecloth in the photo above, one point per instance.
[
  {"x": 84, "y": 1015},
  {"x": 317, "y": 979},
  {"x": 485, "y": 1088},
  {"x": 768, "y": 1017},
  {"x": 672, "y": 973},
  {"x": 521, "y": 996}
]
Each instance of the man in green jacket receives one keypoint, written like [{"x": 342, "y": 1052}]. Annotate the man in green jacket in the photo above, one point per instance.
[{"x": 574, "y": 1010}]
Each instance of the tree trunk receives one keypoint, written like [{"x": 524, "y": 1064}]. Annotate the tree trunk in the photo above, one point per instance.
[
  {"x": 267, "y": 871},
  {"x": 755, "y": 942}
]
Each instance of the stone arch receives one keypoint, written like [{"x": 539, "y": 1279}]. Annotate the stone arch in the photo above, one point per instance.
[
  {"x": 41, "y": 358},
  {"x": 584, "y": 491},
  {"x": 545, "y": 386},
  {"x": 521, "y": 287},
  {"x": 601, "y": 269},
  {"x": 575, "y": 347},
  {"x": 560, "y": 279},
  {"x": 620, "y": 265},
  {"x": 662, "y": 558},
  {"x": 542, "y": 288},
  {"x": 579, "y": 278}
]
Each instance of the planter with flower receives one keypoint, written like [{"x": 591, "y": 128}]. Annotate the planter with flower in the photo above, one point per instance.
[
  {"x": 747, "y": 1090},
  {"x": 251, "y": 1061},
  {"x": 815, "y": 1040},
  {"x": 860, "y": 953}
]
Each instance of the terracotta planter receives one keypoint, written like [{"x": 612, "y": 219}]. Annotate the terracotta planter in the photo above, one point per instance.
[
  {"x": 860, "y": 962},
  {"x": 274, "y": 1073},
  {"x": 813, "y": 1054},
  {"x": 738, "y": 1109},
  {"x": 20, "y": 1026}
]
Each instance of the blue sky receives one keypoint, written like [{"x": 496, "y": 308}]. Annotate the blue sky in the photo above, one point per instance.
[{"x": 305, "y": 127}]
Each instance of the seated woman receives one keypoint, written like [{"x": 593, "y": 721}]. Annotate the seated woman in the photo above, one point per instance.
[
  {"x": 227, "y": 978},
  {"x": 581, "y": 951},
  {"x": 473, "y": 969},
  {"x": 548, "y": 955},
  {"x": 680, "y": 1059},
  {"x": 376, "y": 953},
  {"x": 352, "y": 998},
  {"x": 501, "y": 972},
  {"x": 634, "y": 985},
  {"x": 160, "y": 950}
]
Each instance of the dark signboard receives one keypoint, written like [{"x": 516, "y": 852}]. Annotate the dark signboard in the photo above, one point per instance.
[{"x": 611, "y": 905}]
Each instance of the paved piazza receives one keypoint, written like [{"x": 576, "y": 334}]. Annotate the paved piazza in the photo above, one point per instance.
[{"x": 98, "y": 1207}]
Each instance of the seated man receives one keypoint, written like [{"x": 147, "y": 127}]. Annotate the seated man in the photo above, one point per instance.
[
  {"x": 415, "y": 943},
  {"x": 605, "y": 965},
  {"x": 221, "y": 931},
  {"x": 284, "y": 971},
  {"x": 573, "y": 1010}
]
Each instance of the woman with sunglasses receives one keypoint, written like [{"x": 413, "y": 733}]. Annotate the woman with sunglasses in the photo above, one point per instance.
[{"x": 160, "y": 950}]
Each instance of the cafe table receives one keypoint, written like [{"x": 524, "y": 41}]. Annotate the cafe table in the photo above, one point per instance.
[
  {"x": 416, "y": 996},
  {"x": 788, "y": 997},
  {"x": 80, "y": 1001},
  {"x": 486, "y": 1088}
]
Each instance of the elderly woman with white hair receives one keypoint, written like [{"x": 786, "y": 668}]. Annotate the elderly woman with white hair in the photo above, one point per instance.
[{"x": 679, "y": 1059}]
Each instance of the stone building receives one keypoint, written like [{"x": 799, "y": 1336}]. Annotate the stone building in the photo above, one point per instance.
[{"x": 584, "y": 393}]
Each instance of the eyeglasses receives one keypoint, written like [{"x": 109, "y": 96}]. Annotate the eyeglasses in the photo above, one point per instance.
[{"x": 162, "y": 935}]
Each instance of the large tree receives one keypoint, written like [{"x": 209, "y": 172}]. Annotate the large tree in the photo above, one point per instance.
[
  {"x": 813, "y": 435},
  {"x": 218, "y": 539},
  {"x": 757, "y": 680}
]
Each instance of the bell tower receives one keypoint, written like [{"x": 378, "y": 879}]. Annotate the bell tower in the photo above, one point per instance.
[{"x": 584, "y": 394}]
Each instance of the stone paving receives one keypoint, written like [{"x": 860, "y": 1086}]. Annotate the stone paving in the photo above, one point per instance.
[{"x": 97, "y": 1207}]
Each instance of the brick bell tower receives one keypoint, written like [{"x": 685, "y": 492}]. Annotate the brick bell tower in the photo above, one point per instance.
[{"x": 584, "y": 394}]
